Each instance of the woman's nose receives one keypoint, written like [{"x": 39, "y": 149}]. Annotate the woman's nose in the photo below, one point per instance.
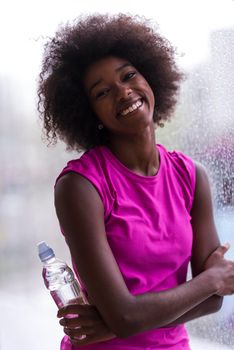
[{"x": 123, "y": 91}]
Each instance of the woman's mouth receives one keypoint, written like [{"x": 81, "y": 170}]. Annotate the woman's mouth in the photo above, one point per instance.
[{"x": 136, "y": 105}]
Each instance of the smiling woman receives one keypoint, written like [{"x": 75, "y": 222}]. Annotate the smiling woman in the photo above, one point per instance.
[{"x": 133, "y": 214}]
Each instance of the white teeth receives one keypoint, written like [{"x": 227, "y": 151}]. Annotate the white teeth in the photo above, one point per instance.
[{"x": 132, "y": 108}]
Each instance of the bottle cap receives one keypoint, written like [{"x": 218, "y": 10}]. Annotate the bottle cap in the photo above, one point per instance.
[{"x": 44, "y": 251}]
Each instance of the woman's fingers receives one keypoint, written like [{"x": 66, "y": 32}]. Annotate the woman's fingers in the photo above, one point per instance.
[
  {"x": 222, "y": 249},
  {"x": 223, "y": 270},
  {"x": 76, "y": 309},
  {"x": 83, "y": 315},
  {"x": 77, "y": 332},
  {"x": 85, "y": 326},
  {"x": 80, "y": 321},
  {"x": 216, "y": 256}
]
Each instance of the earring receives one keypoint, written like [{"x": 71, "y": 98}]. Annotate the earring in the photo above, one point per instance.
[{"x": 100, "y": 126}]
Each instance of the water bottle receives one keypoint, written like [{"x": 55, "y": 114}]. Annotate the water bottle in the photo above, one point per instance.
[{"x": 59, "y": 278}]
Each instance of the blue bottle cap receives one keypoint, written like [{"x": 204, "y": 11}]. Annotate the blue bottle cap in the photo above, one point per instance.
[{"x": 44, "y": 251}]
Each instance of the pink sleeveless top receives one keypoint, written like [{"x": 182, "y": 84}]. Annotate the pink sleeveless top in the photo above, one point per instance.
[{"x": 148, "y": 227}]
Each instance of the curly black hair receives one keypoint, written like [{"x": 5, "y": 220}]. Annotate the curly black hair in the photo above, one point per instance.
[{"x": 63, "y": 104}]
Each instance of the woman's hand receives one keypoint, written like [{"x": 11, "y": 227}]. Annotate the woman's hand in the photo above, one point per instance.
[
  {"x": 223, "y": 270},
  {"x": 83, "y": 320}
]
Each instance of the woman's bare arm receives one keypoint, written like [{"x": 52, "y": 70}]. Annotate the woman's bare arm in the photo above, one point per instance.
[{"x": 80, "y": 212}]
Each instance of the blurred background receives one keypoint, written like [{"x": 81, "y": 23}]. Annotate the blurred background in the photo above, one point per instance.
[{"x": 203, "y": 127}]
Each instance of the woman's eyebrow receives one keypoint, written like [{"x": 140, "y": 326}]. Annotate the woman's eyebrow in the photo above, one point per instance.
[
  {"x": 94, "y": 84},
  {"x": 100, "y": 80},
  {"x": 123, "y": 66}
]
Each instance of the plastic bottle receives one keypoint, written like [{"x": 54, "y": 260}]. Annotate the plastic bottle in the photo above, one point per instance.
[{"x": 59, "y": 278}]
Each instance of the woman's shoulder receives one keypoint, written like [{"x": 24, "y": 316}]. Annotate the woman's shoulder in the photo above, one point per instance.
[
  {"x": 180, "y": 162},
  {"x": 87, "y": 164},
  {"x": 90, "y": 158},
  {"x": 90, "y": 170},
  {"x": 177, "y": 156},
  {"x": 181, "y": 169}
]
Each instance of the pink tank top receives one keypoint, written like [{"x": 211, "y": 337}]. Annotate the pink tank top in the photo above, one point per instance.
[{"x": 148, "y": 227}]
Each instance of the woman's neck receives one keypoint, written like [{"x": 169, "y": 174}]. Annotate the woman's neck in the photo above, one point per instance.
[{"x": 137, "y": 152}]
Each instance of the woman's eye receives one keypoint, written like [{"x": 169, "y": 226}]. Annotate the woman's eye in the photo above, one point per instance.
[
  {"x": 129, "y": 75},
  {"x": 102, "y": 93}
]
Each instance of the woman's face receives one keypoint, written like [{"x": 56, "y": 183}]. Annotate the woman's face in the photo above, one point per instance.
[{"x": 119, "y": 95}]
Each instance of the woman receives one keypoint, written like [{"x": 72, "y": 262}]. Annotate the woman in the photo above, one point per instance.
[{"x": 133, "y": 214}]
